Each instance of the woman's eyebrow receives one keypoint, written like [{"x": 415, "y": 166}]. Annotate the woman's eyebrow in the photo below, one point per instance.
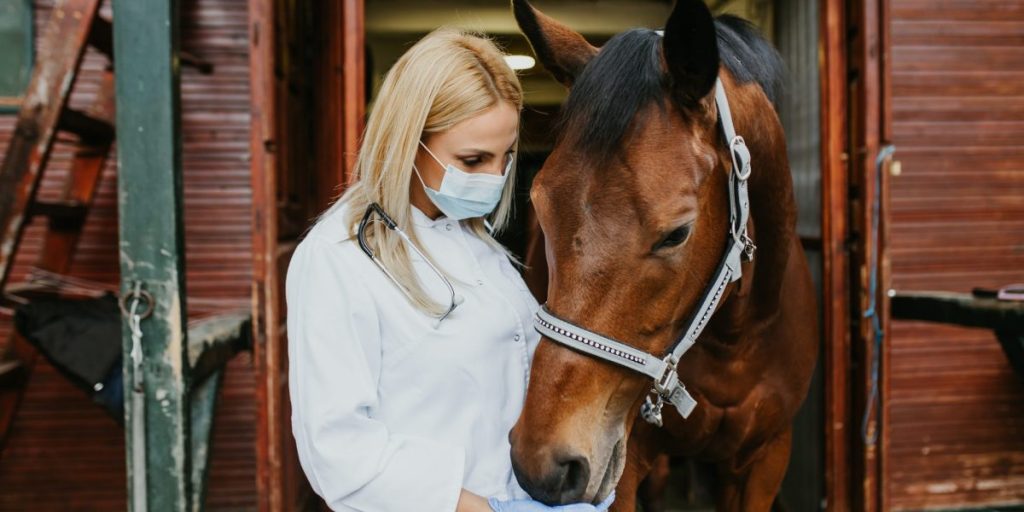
[{"x": 484, "y": 152}]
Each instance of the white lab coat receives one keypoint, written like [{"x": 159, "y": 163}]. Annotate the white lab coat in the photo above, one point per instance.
[{"x": 390, "y": 413}]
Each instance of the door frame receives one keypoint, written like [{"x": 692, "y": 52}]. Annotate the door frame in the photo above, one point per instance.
[
  {"x": 338, "y": 85},
  {"x": 835, "y": 256},
  {"x": 856, "y": 123}
]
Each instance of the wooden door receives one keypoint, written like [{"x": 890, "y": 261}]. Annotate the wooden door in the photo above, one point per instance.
[
  {"x": 940, "y": 80},
  {"x": 953, "y": 433}
]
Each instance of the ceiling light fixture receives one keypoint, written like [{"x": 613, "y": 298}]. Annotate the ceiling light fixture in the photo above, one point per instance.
[{"x": 519, "y": 62}]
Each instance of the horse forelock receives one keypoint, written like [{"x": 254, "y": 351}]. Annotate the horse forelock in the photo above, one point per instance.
[
  {"x": 627, "y": 75},
  {"x": 615, "y": 85}
]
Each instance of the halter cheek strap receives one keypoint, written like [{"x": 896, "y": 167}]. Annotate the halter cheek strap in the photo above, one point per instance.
[{"x": 663, "y": 370}]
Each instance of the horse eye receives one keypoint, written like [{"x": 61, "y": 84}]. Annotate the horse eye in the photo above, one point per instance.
[{"x": 676, "y": 237}]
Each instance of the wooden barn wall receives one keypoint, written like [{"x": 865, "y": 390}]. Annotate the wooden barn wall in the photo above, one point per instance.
[
  {"x": 799, "y": 107},
  {"x": 64, "y": 453},
  {"x": 955, "y": 437}
]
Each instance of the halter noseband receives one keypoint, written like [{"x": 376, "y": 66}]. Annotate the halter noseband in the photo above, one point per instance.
[{"x": 663, "y": 370}]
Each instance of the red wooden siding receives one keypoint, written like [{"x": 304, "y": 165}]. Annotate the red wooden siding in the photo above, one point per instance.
[
  {"x": 64, "y": 453},
  {"x": 956, "y": 410}
]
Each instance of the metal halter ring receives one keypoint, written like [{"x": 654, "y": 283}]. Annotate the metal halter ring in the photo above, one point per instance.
[
  {"x": 148, "y": 300},
  {"x": 742, "y": 171}
]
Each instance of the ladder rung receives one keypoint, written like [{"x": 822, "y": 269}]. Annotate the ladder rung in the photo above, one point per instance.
[
  {"x": 204, "y": 67},
  {"x": 101, "y": 36},
  {"x": 85, "y": 126},
  {"x": 63, "y": 215},
  {"x": 22, "y": 289}
]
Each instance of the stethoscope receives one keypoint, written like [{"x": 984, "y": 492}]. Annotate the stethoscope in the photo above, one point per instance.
[{"x": 375, "y": 208}]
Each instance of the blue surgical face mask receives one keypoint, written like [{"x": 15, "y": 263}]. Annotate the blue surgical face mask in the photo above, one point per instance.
[{"x": 464, "y": 195}]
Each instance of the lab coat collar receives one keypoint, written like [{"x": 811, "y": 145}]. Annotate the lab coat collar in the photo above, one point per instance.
[
  {"x": 421, "y": 219},
  {"x": 335, "y": 230}
]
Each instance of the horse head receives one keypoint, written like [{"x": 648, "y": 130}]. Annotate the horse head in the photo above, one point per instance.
[{"x": 634, "y": 204}]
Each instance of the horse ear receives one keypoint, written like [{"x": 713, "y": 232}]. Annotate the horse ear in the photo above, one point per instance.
[
  {"x": 562, "y": 51},
  {"x": 690, "y": 48}
]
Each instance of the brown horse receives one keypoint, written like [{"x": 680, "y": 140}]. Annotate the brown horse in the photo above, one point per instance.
[{"x": 634, "y": 203}]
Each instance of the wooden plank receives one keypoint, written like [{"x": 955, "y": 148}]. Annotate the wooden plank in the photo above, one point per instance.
[
  {"x": 885, "y": 248},
  {"x": 266, "y": 317},
  {"x": 835, "y": 230},
  {"x": 331, "y": 146},
  {"x": 951, "y": 83},
  {"x": 151, "y": 233},
  {"x": 354, "y": 48},
  {"x": 867, "y": 111},
  {"x": 958, "y": 10},
  {"x": 908, "y": 32},
  {"x": 203, "y": 405}
]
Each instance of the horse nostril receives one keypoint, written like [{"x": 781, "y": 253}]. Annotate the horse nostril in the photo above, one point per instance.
[{"x": 576, "y": 476}]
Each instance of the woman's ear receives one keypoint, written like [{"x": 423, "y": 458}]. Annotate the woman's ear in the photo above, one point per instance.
[
  {"x": 562, "y": 51},
  {"x": 690, "y": 49}
]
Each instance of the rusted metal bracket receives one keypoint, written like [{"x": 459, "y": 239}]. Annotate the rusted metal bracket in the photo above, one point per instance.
[
  {"x": 215, "y": 341},
  {"x": 1005, "y": 318}
]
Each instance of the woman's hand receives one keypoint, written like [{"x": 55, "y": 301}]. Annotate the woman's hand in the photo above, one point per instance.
[
  {"x": 469, "y": 502},
  {"x": 536, "y": 506}
]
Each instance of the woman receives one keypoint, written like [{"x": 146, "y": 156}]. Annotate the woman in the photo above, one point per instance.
[{"x": 399, "y": 402}]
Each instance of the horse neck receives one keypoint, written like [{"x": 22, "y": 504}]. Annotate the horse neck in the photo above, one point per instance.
[{"x": 772, "y": 212}]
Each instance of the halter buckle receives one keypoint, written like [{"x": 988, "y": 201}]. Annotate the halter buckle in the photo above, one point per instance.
[
  {"x": 664, "y": 386},
  {"x": 740, "y": 157},
  {"x": 669, "y": 379}
]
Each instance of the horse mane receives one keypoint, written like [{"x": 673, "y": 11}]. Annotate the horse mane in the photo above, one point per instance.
[
  {"x": 749, "y": 56},
  {"x": 626, "y": 76}
]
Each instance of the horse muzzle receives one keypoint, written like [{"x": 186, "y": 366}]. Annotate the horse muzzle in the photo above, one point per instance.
[{"x": 562, "y": 474}]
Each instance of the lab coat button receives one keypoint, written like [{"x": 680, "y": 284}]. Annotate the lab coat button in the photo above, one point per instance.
[
  {"x": 516, "y": 337},
  {"x": 448, "y": 227}
]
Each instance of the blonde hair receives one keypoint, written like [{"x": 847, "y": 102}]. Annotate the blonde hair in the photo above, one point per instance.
[{"x": 448, "y": 76}]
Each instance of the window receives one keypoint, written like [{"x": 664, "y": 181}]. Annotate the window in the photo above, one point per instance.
[{"x": 15, "y": 51}]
